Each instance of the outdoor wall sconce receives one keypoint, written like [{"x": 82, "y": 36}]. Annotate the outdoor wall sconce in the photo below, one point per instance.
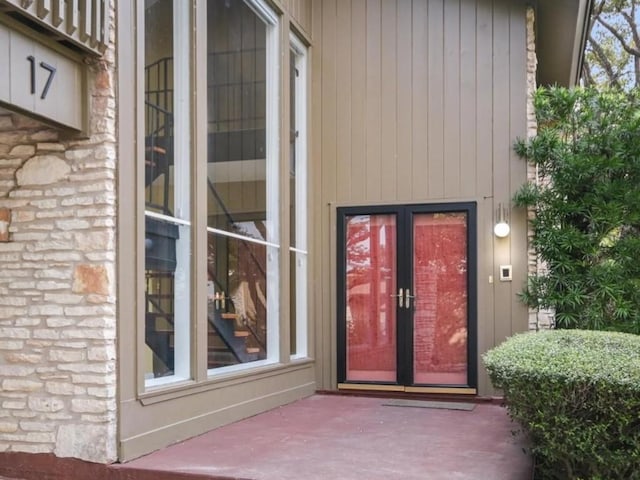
[{"x": 501, "y": 228}]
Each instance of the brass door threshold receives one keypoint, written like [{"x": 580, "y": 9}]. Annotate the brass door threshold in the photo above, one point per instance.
[{"x": 365, "y": 387}]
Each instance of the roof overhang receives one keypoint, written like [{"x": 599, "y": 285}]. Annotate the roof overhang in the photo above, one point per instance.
[{"x": 562, "y": 27}]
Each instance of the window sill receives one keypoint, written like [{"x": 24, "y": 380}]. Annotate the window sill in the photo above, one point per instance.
[{"x": 224, "y": 380}]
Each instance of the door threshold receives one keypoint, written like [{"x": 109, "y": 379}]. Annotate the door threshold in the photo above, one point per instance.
[{"x": 365, "y": 387}]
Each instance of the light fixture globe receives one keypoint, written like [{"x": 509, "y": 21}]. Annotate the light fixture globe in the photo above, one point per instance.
[{"x": 501, "y": 229}]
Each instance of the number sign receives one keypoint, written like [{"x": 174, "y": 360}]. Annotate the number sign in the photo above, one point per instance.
[{"x": 40, "y": 79}]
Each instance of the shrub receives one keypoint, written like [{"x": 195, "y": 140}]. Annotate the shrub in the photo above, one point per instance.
[
  {"x": 586, "y": 227},
  {"x": 576, "y": 394}
]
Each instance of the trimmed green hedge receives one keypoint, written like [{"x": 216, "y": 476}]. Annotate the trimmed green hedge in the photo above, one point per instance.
[{"x": 576, "y": 394}]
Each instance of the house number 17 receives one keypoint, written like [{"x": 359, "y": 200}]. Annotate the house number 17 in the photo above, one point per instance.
[{"x": 46, "y": 66}]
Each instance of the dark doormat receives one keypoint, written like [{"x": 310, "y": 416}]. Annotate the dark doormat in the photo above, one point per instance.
[{"x": 429, "y": 404}]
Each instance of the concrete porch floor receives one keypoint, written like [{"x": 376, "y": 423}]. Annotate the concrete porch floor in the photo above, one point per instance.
[{"x": 348, "y": 437}]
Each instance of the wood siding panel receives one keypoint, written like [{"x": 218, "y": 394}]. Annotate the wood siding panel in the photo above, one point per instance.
[
  {"x": 518, "y": 167},
  {"x": 327, "y": 70},
  {"x": 404, "y": 107},
  {"x": 343, "y": 104},
  {"x": 451, "y": 156},
  {"x": 468, "y": 89},
  {"x": 420, "y": 116},
  {"x": 435, "y": 88},
  {"x": 389, "y": 162},
  {"x": 358, "y": 99},
  {"x": 301, "y": 12},
  {"x": 501, "y": 155},
  {"x": 374, "y": 100},
  {"x": 484, "y": 181},
  {"x": 320, "y": 228}
]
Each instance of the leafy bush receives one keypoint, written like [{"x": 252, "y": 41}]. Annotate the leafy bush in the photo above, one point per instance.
[
  {"x": 587, "y": 205},
  {"x": 576, "y": 393}
]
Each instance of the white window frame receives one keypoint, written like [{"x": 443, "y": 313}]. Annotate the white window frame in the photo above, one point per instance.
[
  {"x": 300, "y": 249},
  {"x": 272, "y": 166},
  {"x": 182, "y": 313}
]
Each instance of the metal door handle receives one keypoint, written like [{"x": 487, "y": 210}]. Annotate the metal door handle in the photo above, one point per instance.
[
  {"x": 400, "y": 298},
  {"x": 408, "y": 298}
]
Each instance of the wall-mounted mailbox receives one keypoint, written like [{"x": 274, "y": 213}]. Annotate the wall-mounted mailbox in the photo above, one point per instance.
[
  {"x": 41, "y": 78},
  {"x": 505, "y": 273}
]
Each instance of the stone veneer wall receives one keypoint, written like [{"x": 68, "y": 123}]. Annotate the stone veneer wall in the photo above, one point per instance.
[
  {"x": 538, "y": 319},
  {"x": 57, "y": 282}
]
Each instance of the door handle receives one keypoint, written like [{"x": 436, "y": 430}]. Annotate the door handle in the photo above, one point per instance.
[
  {"x": 408, "y": 298},
  {"x": 400, "y": 297}
]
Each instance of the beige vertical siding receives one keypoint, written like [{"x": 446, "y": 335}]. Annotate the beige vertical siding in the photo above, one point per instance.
[
  {"x": 300, "y": 11},
  {"x": 420, "y": 101}
]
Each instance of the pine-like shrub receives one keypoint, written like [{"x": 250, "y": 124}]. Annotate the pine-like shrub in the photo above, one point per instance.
[
  {"x": 576, "y": 394},
  {"x": 587, "y": 207}
]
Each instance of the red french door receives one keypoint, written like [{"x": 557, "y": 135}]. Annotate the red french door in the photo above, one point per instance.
[{"x": 406, "y": 297}]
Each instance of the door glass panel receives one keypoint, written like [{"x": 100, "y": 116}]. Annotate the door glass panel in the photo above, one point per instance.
[
  {"x": 440, "y": 309},
  {"x": 370, "y": 251}
]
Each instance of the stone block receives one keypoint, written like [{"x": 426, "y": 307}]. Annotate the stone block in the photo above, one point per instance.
[
  {"x": 5, "y": 220},
  {"x": 15, "y": 385},
  {"x": 8, "y": 427},
  {"x": 93, "y": 443},
  {"x": 11, "y": 370},
  {"x": 9, "y": 332},
  {"x": 85, "y": 405},
  {"x": 60, "y": 388},
  {"x": 23, "y": 151},
  {"x": 91, "y": 279},
  {"x": 11, "y": 345},
  {"x": 28, "y": 426},
  {"x": 73, "y": 224},
  {"x": 66, "y": 355},
  {"x": 31, "y": 358},
  {"x": 44, "y": 136},
  {"x": 52, "y": 147},
  {"x": 45, "y": 404},
  {"x": 93, "y": 379},
  {"x": 31, "y": 448},
  {"x": 43, "y": 170}
]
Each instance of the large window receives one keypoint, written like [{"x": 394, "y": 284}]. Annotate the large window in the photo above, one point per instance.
[
  {"x": 242, "y": 183},
  {"x": 167, "y": 166},
  {"x": 239, "y": 89}
]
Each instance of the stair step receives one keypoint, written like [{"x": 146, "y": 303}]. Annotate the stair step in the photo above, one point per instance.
[
  {"x": 241, "y": 333},
  {"x": 229, "y": 316},
  {"x": 253, "y": 350}
]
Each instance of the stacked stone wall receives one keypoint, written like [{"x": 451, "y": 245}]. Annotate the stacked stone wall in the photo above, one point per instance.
[
  {"x": 538, "y": 319},
  {"x": 57, "y": 282}
]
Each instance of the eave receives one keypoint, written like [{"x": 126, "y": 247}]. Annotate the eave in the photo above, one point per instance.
[{"x": 562, "y": 28}]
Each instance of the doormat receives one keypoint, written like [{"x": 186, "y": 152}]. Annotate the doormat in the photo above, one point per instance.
[{"x": 430, "y": 404}]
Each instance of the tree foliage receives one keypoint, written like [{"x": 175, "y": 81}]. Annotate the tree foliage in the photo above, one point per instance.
[
  {"x": 612, "y": 56},
  {"x": 587, "y": 206}
]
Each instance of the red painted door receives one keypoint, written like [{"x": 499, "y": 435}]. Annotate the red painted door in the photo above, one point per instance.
[{"x": 405, "y": 316}]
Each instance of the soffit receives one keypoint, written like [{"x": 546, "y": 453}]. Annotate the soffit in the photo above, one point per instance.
[{"x": 560, "y": 38}]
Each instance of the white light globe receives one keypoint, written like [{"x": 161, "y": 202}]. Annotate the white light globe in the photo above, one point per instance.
[{"x": 501, "y": 229}]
